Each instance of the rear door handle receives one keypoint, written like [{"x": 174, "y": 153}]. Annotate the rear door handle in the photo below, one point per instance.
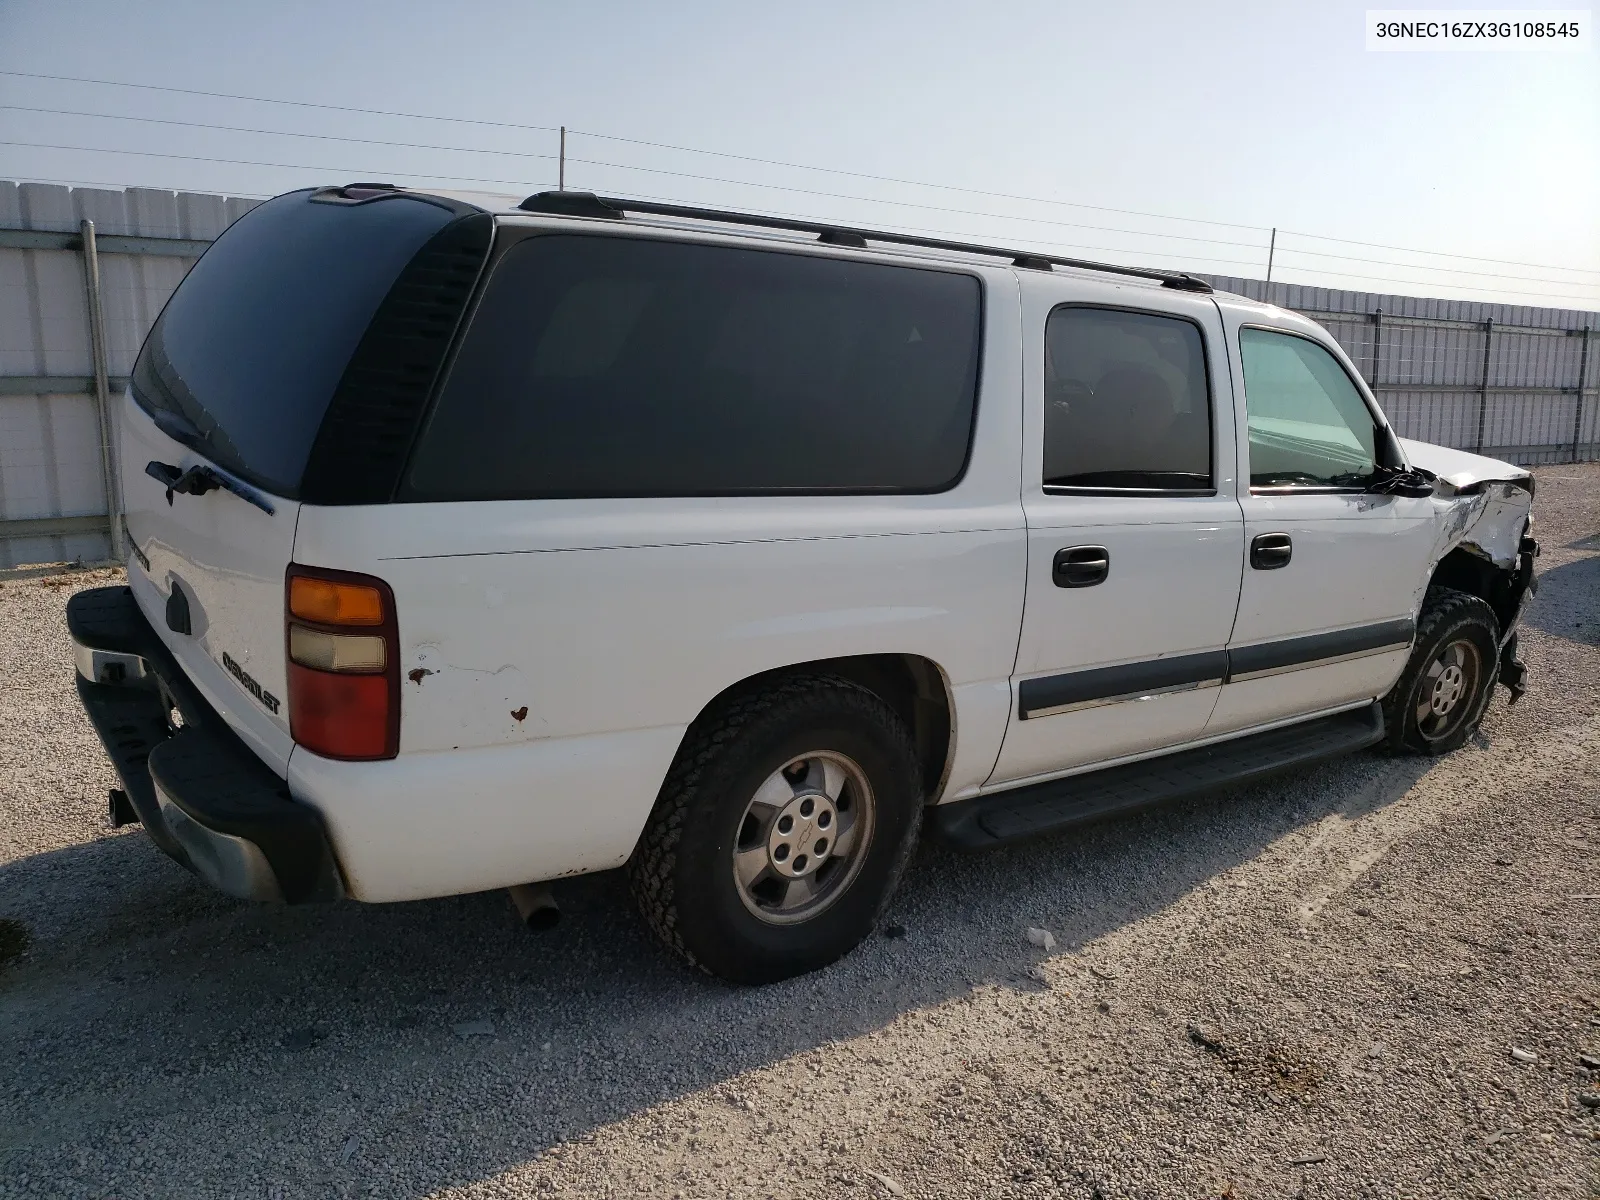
[
  {"x": 1269, "y": 551},
  {"x": 1080, "y": 566}
]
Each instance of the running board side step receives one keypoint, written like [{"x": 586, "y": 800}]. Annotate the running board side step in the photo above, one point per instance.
[{"x": 1010, "y": 816}]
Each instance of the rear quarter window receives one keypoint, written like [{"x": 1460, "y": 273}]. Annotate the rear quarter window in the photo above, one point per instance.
[{"x": 604, "y": 366}]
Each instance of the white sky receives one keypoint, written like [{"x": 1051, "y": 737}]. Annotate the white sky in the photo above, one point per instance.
[{"x": 1246, "y": 114}]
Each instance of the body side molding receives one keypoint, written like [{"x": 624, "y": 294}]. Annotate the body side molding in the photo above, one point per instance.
[{"x": 1047, "y": 695}]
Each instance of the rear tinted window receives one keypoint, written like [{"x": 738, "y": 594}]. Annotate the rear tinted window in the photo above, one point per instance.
[
  {"x": 600, "y": 366},
  {"x": 250, "y": 348},
  {"x": 1126, "y": 402}
]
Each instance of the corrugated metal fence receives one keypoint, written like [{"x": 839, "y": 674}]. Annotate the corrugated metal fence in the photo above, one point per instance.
[
  {"x": 1514, "y": 382},
  {"x": 53, "y": 494}
]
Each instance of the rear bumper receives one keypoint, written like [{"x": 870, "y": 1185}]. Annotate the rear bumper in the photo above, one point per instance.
[{"x": 200, "y": 793}]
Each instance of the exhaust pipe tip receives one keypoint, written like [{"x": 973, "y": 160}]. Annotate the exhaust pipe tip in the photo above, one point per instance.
[
  {"x": 120, "y": 809},
  {"x": 536, "y": 905}
]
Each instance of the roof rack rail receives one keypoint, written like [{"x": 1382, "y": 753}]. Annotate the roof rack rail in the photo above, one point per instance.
[{"x": 590, "y": 205}]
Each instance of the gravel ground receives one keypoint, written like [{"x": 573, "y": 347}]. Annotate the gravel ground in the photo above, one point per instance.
[{"x": 1312, "y": 988}]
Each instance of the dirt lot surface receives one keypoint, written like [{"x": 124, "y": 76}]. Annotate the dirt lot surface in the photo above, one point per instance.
[{"x": 1370, "y": 979}]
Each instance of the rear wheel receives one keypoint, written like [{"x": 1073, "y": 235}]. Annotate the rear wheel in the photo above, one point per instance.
[
  {"x": 781, "y": 831},
  {"x": 1445, "y": 689}
]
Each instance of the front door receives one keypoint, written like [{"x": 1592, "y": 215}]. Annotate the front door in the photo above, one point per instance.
[
  {"x": 1134, "y": 534},
  {"x": 1333, "y": 575}
]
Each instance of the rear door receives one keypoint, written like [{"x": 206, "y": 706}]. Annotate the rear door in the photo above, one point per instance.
[
  {"x": 1333, "y": 575},
  {"x": 1134, "y": 535},
  {"x": 235, "y": 378}
]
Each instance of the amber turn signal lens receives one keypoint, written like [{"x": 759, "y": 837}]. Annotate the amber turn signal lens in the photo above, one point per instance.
[{"x": 330, "y": 603}]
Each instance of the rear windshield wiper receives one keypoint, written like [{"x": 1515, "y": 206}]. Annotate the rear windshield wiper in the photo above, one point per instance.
[{"x": 200, "y": 479}]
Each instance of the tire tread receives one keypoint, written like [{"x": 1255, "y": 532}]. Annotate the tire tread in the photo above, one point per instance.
[
  {"x": 653, "y": 865},
  {"x": 1442, "y": 608}
]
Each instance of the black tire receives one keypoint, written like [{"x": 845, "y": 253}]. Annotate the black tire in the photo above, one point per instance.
[
  {"x": 1449, "y": 619},
  {"x": 682, "y": 871}
]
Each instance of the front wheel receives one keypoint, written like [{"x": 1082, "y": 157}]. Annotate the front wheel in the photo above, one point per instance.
[
  {"x": 781, "y": 831},
  {"x": 1445, "y": 689}
]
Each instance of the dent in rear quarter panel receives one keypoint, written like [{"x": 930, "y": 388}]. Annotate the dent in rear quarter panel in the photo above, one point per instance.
[{"x": 554, "y": 651}]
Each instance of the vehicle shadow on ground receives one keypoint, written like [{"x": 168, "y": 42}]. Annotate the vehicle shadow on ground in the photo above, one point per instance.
[
  {"x": 408, "y": 1047},
  {"x": 1564, "y": 606}
]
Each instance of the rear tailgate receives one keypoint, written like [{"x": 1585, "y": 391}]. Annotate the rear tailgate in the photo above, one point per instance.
[
  {"x": 226, "y": 558},
  {"x": 236, "y": 381}
]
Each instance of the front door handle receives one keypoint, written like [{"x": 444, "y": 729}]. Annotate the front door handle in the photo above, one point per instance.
[
  {"x": 1269, "y": 551},
  {"x": 1080, "y": 566}
]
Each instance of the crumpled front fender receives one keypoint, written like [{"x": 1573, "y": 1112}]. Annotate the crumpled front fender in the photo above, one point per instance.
[
  {"x": 1487, "y": 503},
  {"x": 1487, "y": 513}
]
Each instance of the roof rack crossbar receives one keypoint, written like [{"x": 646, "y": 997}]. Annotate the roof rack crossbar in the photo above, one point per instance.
[{"x": 848, "y": 235}]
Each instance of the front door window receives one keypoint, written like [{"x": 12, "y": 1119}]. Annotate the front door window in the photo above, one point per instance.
[{"x": 1309, "y": 426}]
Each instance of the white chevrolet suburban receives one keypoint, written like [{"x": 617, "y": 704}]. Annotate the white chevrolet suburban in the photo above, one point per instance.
[{"x": 470, "y": 549}]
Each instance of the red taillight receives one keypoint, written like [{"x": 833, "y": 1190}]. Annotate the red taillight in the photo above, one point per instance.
[
  {"x": 344, "y": 663},
  {"x": 340, "y": 716}
]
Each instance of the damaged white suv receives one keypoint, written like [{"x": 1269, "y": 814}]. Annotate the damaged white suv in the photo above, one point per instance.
[{"x": 471, "y": 549}]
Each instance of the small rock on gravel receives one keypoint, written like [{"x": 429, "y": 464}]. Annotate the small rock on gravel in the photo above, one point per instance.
[
  {"x": 1590, "y": 1061},
  {"x": 469, "y": 1029},
  {"x": 893, "y": 1188},
  {"x": 1042, "y": 938},
  {"x": 1523, "y": 1056}
]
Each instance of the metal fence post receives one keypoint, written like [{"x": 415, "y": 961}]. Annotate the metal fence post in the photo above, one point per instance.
[
  {"x": 1483, "y": 388},
  {"x": 1377, "y": 348},
  {"x": 1577, "y": 415},
  {"x": 102, "y": 386}
]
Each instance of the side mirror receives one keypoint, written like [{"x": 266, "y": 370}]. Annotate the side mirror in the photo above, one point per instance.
[
  {"x": 1413, "y": 489},
  {"x": 1409, "y": 481}
]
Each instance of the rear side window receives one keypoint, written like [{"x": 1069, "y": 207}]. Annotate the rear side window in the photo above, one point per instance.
[
  {"x": 243, "y": 360},
  {"x": 1127, "y": 405},
  {"x": 598, "y": 366}
]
